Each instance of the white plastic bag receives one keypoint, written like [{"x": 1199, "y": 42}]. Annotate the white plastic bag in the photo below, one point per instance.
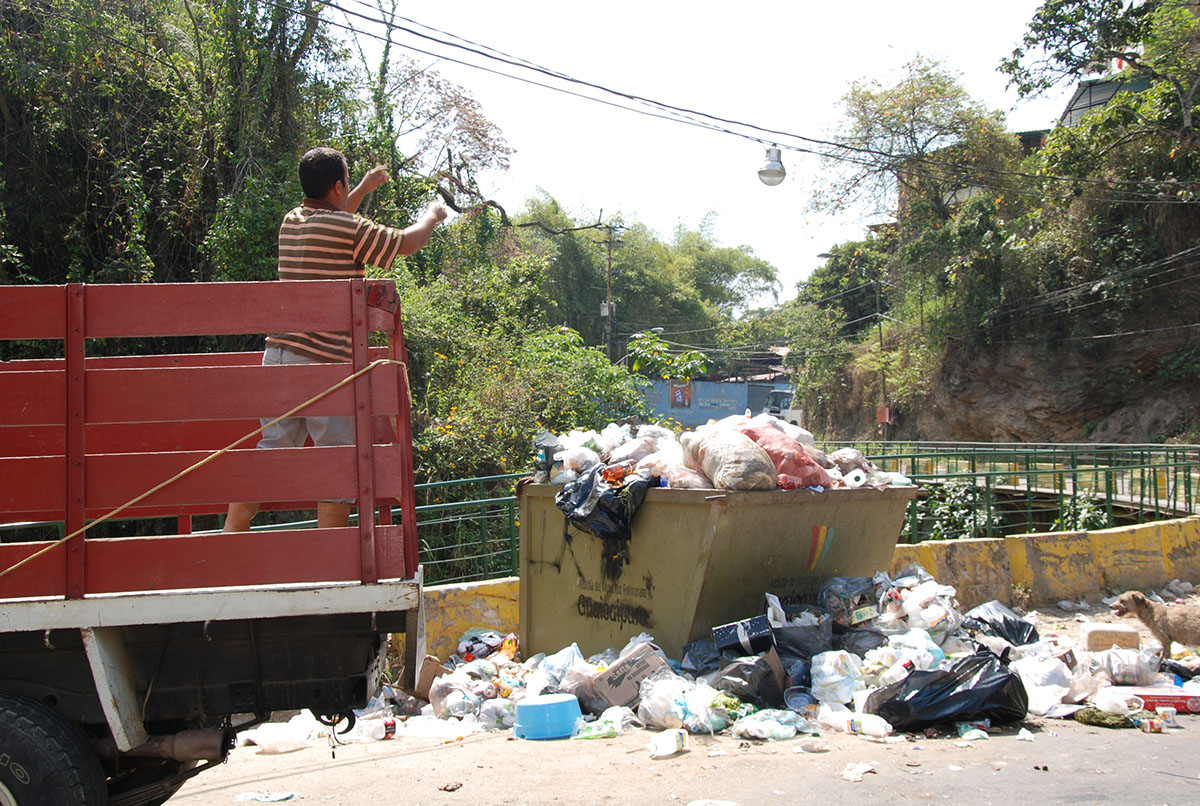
[
  {"x": 730, "y": 459},
  {"x": 498, "y": 714},
  {"x": 1046, "y": 680},
  {"x": 1125, "y": 667},
  {"x": 1118, "y": 701},
  {"x": 836, "y": 676}
]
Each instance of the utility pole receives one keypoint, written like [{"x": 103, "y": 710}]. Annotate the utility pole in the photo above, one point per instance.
[
  {"x": 882, "y": 371},
  {"x": 608, "y": 310}
]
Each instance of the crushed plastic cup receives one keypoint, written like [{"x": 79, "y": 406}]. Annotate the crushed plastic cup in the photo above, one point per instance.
[
  {"x": 813, "y": 745},
  {"x": 668, "y": 743},
  {"x": 1167, "y": 714}
]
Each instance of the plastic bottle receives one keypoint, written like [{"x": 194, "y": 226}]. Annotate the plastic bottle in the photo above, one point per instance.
[
  {"x": 371, "y": 730},
  {"x": 868, "y": 725},
  {"x": 615, "y": 472},
  {"x": 896, "y": 672},
  {"x": 668, "y": 743}
]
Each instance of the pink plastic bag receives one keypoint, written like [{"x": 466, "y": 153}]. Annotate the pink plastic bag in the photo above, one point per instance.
[{"x": 795, "y": 466}]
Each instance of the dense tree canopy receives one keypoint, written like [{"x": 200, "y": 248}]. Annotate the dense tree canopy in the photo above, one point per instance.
[
  {"x": 907, "y": 148},
  {"x": 1155, "y": 39}
]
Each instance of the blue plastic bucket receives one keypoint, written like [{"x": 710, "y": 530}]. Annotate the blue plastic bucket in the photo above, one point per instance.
[{"x": 546, "y": 716}]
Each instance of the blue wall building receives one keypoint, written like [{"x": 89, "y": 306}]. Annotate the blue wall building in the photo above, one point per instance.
[{"x": 695, "y": 403}]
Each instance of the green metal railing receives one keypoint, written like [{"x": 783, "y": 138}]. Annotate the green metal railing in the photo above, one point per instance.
[
  {"x": 467, "y": 528},
  {"x": 1020, "y": 488}
]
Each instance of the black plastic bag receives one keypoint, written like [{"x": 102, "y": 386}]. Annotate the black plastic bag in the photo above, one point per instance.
[
  {"x": 801, "y": 643},
  {"x": 545, "y": 445},
  {"x": 841, "y": 596},
  {"x": 1178, "y": 669},
  {"x": 799, "y": 673},
  {"x": 993, "y": 618},
  {"x": 859, "y": 640},
  {"x": 701, "y": 656},
  {"x": 604, "y": 511},
  {"x": 751, "y": 679},
  {"x": 976, "y": 687}
]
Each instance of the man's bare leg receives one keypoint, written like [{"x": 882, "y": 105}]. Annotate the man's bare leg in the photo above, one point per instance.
[
  {"x": 239, "y": 516},
  {"x": 331, "y": 514}
]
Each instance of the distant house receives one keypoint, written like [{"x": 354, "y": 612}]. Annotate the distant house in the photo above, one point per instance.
[{"x": 1095, "y": 93}]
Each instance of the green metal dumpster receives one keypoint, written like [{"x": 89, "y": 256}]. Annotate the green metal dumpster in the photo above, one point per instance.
[{"x": 697, "y": 559}]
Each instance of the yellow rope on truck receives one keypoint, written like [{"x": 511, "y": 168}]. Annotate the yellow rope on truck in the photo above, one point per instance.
[{"x": 109, "y": 515}]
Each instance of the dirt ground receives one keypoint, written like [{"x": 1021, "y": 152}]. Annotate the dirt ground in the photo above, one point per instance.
[{"x": 1065, "y": 762}]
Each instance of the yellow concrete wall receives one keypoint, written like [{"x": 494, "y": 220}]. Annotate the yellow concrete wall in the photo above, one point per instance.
[
  {"x": 450, "y": 610},
  {"x": 1181, "y": 548},
  {"x": 1053, "y": 566}
]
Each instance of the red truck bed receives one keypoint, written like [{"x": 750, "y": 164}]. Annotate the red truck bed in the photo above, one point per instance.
[{"x": 149, "y": 646}]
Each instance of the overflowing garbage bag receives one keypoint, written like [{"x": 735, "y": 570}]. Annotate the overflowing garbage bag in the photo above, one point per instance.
[
  {"x": 800, "y": 631},
  {"x": 857, "y": 640},
  {"x": 995, "y": 618},
  {"x": 974, "y": 688},
  {"x": 739, "y": 452},
  {"x": 849, "y": 600},
  {"x": 594, "y": 506},
  {"x": 751, "y": 679}
]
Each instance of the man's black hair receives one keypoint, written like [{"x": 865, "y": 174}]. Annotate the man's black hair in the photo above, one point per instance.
[{"x": 321, "y": 169}]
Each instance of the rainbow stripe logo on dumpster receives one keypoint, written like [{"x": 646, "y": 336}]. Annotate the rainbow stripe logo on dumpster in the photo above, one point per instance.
[{"x": 822, "y": 539}]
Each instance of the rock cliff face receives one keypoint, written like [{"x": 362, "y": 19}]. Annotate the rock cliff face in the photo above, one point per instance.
[{"x": 1039, "y": 394}]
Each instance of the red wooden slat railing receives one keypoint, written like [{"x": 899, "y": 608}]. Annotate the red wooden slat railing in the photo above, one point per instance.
[{"x": 79, "y": 436}]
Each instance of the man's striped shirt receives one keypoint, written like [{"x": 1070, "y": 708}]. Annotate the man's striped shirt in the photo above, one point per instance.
[{"x": 319, "y": 242}]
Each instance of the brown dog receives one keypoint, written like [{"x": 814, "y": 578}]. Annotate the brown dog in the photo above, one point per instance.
[{"x": 1179, "y": 623}]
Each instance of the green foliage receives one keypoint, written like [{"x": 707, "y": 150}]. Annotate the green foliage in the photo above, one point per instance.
[
  {"x": 817, "y": 357},
  {"x": 1081, "y": 512},
  {"x": 650, "y": 355},
  {"x": 914, "y": 144},
  {"x": 1180, "y": 365},
  {"x": 955, "y": 510},
  {"x": 487, "y": 374},
  {"x": 850, "y": 282},
  {"x": 241, "y": 244},
  {"x": 1066, "y": 39}
]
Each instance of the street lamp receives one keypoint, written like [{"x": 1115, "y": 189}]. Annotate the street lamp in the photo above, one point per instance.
[{"x": 773, "y": 172}]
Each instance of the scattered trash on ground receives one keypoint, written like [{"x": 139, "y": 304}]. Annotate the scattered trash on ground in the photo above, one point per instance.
[
  {"x": 855, "y": 772},
  {"x": 887, "y": 658},
  {"x": 266, "y": 797}
]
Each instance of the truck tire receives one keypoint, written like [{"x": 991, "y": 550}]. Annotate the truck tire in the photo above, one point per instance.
[{"x": 44, "y": 759}]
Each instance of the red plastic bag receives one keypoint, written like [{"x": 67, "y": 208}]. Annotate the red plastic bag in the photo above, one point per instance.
[{"x": 794, "y": 464}]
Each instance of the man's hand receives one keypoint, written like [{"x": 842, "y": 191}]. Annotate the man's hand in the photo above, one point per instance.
[
  {"x": 437, "y": 211},
  {"x": 374, "y": 178},
  {"x": 371, "y": 180}
]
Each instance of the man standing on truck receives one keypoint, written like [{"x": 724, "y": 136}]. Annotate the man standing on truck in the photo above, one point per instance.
[{"x": 325, "y": 239}]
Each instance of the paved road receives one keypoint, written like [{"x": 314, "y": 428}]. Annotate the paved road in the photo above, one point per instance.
[{"x": 1083, "y": 764}]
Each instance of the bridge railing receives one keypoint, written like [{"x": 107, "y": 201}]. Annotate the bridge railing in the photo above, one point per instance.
[{"x": 992, "y": 489}]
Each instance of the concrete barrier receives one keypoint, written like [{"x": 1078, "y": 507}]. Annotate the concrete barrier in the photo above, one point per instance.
[{"x": 1052, "y": 566}]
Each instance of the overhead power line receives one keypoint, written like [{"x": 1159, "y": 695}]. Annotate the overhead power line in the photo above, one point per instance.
[{"x": 840, "y": 151}]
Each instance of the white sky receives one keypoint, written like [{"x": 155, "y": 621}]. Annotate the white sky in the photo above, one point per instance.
[{"x": 782, "y": 66}]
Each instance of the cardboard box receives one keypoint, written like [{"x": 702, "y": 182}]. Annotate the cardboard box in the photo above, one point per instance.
[
  {"x": 750, "y": 636},
  {"x": 772, "y": 659},
  {"x": 1183, "y": 701},
  {"x": 430, "y": 669},
  {"x": 619, "y": 683}
]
